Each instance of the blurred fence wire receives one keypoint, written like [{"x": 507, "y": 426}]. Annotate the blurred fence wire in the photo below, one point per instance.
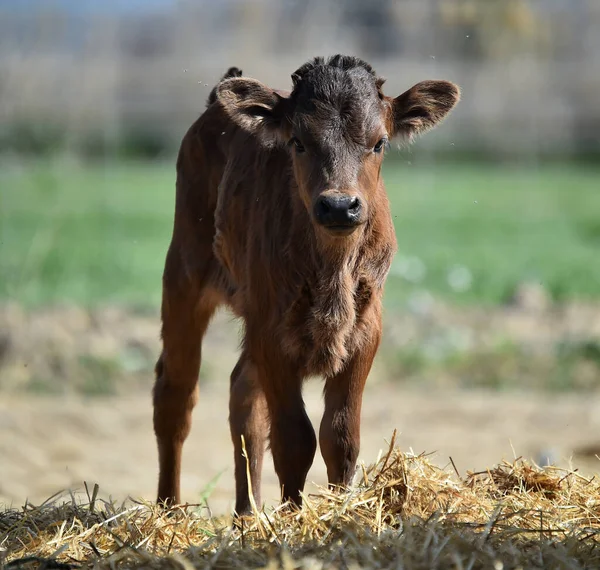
[{"x": 97, "y": 77}]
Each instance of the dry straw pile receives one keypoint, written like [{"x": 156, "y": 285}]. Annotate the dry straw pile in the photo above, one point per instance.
[{"x": 403, "y": 513}]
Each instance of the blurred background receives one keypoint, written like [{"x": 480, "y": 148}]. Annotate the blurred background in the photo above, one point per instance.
[{"x": 492, "y": 320}]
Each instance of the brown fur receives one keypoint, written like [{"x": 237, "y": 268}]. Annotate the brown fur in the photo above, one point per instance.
[{"x": 246, "y": 235}]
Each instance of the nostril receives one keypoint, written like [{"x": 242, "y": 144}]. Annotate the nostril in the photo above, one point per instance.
[
  {"x": 338, "y": 210},
  {"x": 354, "y": 204}
]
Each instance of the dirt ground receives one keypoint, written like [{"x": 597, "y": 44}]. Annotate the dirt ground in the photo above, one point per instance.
[
  {"x": 75, "y": 398},
  {"x": 49, "y": 443}
]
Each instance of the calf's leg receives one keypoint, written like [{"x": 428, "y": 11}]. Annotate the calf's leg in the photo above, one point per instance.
[
  {"x": 339, "y": 434},
  {"x": 248, "y": 417},
  {"x": 186, "y": 312},
  {"x": 292, "y": 437}
]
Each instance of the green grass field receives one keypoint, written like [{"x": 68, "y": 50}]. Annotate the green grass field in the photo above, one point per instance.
[{"x": 467, "y": 233}]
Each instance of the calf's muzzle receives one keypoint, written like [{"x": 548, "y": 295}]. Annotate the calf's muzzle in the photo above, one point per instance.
[{"x": 338, "y": 212}]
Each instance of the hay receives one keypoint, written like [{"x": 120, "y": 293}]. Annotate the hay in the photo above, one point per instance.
[{"x": 404, "y": 512}]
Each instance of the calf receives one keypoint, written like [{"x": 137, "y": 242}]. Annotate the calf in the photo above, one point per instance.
[{"x": 281, "y": 214}]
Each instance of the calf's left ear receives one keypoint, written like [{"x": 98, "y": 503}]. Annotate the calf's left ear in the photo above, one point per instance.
[
  {"x": 422, "y": 107},
  {"x": 255, "y": 108}
]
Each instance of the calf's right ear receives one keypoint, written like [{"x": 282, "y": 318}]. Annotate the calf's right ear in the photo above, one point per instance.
[{"x": 255, "y": 108}]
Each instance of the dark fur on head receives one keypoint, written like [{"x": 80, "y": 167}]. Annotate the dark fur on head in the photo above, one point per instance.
[
  {"x": 342, "y": 92},
  {"x": 331, "y": 75},
  {"x": 343, "y": 62}
]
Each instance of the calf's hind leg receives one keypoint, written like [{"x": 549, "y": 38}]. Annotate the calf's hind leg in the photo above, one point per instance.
[
  {"x": 248, "y": 417},
  {"x": 186, "y": 312}
]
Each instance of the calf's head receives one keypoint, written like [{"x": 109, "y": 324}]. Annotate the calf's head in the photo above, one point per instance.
[{"x": 337, "y": 124}]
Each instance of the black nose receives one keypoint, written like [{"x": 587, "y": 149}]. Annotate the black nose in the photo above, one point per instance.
[{"x": 335, "y": 210}]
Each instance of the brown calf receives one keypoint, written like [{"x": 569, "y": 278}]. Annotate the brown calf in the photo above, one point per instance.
[{"x": 281, "y": 214}]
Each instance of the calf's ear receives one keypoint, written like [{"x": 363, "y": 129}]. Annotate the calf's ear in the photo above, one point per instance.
[
  {"x": 422, "y": 107},
  {"x": 255, "y": 108}
]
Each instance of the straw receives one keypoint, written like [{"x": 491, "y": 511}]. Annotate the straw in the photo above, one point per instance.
[{"x": 405, "y": 512}]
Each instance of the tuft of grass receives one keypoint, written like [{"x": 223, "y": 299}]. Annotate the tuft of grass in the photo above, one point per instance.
[
  {"x": 566, "y": 367},
  {"x": 403, "y": 512},
  {"x": 208, "y": 489},
  {"x": 99, "y": 375}
]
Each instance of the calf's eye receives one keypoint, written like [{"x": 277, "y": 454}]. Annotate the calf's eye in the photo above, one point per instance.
[
  {"x": 380, "y": 145},
  {"x": 297, "y": 144}
]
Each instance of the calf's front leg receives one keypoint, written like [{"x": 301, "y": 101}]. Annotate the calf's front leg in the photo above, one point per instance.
[
  {"x": 339, "y": 434},
  {"x": 292, "y": 437}
]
